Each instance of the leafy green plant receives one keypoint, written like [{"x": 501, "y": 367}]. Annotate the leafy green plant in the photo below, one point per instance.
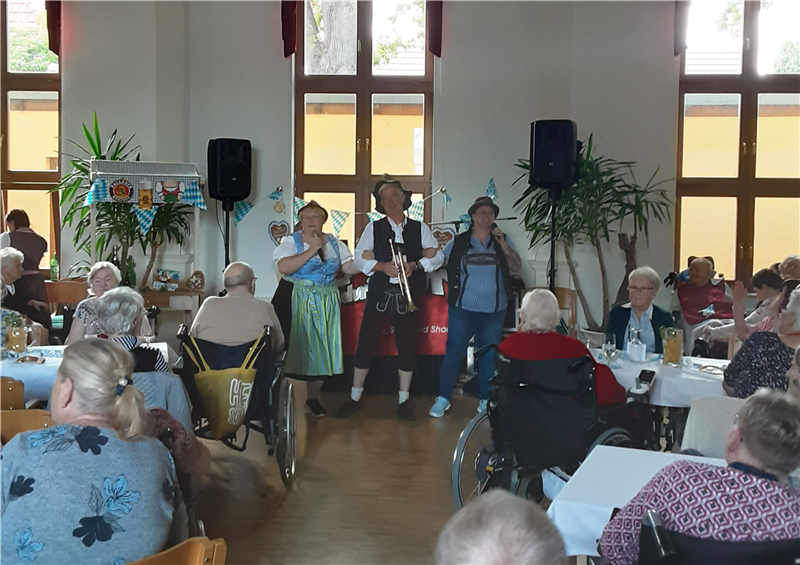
[
  {"x": 114, "y": 222},
  {"x": 171, "y": 223},
  {"x": 597, "y": 205}
]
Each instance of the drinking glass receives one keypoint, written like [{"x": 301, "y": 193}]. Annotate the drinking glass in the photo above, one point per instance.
[
  {"x": 610, "y": 345},
  {"x": 148, "y": 338}
]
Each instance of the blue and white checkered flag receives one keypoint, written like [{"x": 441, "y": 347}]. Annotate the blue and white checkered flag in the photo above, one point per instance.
[
  {"x": 298, "y": 203},
  {"x": 145, "y": 218},
  {"x": 491, "y": 190},
  {"x": 97, "y": 193},
  {"x": 466, "y": 220},
  {"x": 417, "y": 211},
  {"x": 241, "y": 209},
  {"x": 194, "y": 196},
  {"x": 374, "y": 216}
]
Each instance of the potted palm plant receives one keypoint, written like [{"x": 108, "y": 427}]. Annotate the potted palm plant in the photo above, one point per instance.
[{"x": 596, "y": 206}]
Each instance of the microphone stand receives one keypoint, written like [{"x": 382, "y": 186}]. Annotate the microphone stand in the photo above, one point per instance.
[{"x": 457, "y": 223}]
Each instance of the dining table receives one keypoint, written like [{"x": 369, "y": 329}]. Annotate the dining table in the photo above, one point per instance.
[{"x": 38, "y": 378}]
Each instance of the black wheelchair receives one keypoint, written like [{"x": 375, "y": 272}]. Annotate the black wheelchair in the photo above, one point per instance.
[
  {"x": 271, "y": 407},
  {"x": 541, "y": 415}
]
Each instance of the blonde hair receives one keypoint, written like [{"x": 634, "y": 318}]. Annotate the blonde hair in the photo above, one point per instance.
[
  {"x": 648, "y": 273},
  {"x": 769, "y": 423},
  {"x": 499, "y": 527},
  {"x": 97, "y": 367},
  {"x": 539, "y": 311},
  {"x": 790, "y": 267},
  {"x": 99, "y": 266}
]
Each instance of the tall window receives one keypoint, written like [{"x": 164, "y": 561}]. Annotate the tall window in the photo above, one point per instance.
[
  {"x": 30, "y": 82},
  {"x": 739, "y": 135},
  {"x": 364, "y": 89}
]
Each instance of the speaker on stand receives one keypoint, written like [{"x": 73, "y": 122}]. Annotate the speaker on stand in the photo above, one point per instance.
[
  {"x": 554, "y": 157},
  {"x": 229, "y": 177}
]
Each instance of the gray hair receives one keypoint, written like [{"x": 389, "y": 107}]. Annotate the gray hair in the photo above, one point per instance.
[
  {"x": 118, "y": 309},
  {"x": 497, "y": 528},
  {"x": 96, "y": 367},
  {"x": 648, "y": 273},
  {"x": 769, "y": 423},
  {"x": 99, "y": 266},
  {"x": 394, "y": 184},
  {"x": 794, "y": 307},
  {"x": 790, "y": 267},
  {"x": 539, "y": 311},
  {"x": 8, "y": 255},
  {"x": 241, "y": 278}
]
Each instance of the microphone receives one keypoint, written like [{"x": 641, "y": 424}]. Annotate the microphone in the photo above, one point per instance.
[{"x": 319, "y": 251}]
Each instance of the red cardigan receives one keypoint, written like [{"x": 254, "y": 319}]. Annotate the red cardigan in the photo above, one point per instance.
[{"x": 551, "y": 345}]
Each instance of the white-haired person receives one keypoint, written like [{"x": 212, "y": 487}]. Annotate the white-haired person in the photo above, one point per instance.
[
  {"x": 19, "y": 296},
  {"x": 790, "y": 267},
  {"x": 92, "y": 489},
  {"x": 747, "y": 501},
  {"x": 640, "y": 313},
  {"x": 500, "y": 528},
  {"x": 102, "y": 277},
  {"x": 537, "y": 340},
  {"x": 39, "y": 334},
  {"x": 765, "y": 356},
  {"x": 119, "y": 313}
]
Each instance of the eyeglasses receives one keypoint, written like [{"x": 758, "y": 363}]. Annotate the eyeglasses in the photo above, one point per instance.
[{"x": 639, "y": 288}]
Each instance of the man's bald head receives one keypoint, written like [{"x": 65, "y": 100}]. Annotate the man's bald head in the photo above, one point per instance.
[
  {"x": 238, "y": 275},
  {"x": 700, "y": 271}
]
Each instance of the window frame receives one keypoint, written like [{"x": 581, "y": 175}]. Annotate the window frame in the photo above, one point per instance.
[
  {"x": 27, "y": 180},
  {"x": 746, "y": 187},
  {"x": 363, "y": 84}
]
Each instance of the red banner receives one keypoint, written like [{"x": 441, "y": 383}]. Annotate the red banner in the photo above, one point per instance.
[{"x": 431, "y": 327}]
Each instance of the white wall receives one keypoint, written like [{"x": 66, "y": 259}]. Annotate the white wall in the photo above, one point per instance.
[{"x": 179, "y": 74}]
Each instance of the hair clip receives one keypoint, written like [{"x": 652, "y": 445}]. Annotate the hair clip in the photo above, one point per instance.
[{"x": 123, "y": 382}]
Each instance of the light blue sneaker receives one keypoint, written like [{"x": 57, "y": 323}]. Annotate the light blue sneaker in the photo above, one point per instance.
[
  {"x": 482, "y": 406},
  {"x": 439, "y": 407}
]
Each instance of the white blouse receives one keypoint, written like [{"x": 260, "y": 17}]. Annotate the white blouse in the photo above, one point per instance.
[{"x": 287, "y": 248}]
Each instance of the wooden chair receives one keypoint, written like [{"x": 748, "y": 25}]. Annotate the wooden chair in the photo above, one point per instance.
[
  {"x": 13, "y": 422},
  {"x": 64, "y": 293},
  {"x": 734, "y": 344},
  {"x": 193, "y": 551},
  {"x": 567, "y": 300},
  {"x": 12, "y": 395}
]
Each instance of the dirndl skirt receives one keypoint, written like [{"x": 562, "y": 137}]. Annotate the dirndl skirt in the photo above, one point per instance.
[{"x": 315, "y": 345}]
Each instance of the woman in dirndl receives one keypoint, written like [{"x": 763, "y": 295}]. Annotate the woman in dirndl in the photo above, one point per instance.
[{"x": 310, "y": 259}]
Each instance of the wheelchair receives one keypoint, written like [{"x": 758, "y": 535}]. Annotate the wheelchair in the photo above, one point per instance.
[
  {"x": 271, "y": 409},
  {"x": 541, "y": 415}
]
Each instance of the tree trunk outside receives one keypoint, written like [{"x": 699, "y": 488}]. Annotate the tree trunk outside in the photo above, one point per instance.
[
  {"x": 123, "y": 263},
  {"x": 604, "y": 279},
  {"x": 334, "y": 54},
  {"x": 153, "y": 252},
  {"x": 628, "y": 246},
  {"x": 584, "y": 303}
]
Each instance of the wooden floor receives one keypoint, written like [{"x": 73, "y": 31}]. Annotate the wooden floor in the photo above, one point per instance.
[{"x": 370, "y": 489}]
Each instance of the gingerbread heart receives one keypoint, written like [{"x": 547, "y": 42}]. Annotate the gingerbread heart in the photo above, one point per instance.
[
  {"x": 277, "y": 230},
  {"x": 444, "y": 236}
]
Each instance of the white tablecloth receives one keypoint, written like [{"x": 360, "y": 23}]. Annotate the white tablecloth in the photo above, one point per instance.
[
  {"x": 673, "y": 386},
  {"x": 609, "y": 478},
  {"x": 39, "y": 379}
]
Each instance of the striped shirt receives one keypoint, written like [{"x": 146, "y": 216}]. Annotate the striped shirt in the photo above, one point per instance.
[
  {"x": 482, "y": 288},
  {"x": 130, "y": 342}
]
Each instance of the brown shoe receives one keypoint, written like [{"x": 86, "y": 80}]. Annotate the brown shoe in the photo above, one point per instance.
[
  {"x": 405, "y": 412},
  {"x": 347, "y": 409}
]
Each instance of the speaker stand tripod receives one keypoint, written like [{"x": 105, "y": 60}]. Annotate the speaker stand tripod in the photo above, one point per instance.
[
  {"x": 555, "y": 194},
  {"x": 227, "y": 207}
]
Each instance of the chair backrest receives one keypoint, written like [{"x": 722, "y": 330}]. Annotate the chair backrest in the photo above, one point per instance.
[
  {"x": 13, "y": 422},
  {"x": 193, "y": 551},
  {"x": 710, "y": 419},
  {"x": 62, "y": 293},
  {"x": 544, "y": 409},
  {"x": 660, "y": 545},
  {"x": 12, "y": 395}
]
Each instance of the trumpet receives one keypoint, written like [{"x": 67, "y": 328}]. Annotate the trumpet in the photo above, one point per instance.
[{"x": 405, "y": 289}]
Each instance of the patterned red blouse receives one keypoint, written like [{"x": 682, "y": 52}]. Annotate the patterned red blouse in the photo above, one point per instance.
[{"x": 705, "y": 501}]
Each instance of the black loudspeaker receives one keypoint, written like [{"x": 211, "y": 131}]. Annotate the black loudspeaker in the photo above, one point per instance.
[
  {"x": 229, "y": 169},
  {"x": 554, "y": 154}
]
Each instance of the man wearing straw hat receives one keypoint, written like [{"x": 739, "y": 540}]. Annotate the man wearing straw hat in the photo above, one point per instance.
[{"x": 373, "y": 257}]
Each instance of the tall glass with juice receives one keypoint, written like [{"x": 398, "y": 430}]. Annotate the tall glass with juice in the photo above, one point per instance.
[{"x": 672, "y": 340}]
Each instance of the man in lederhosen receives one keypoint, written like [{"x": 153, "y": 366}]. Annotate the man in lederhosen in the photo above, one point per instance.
[{"x": 373, "y": 257}]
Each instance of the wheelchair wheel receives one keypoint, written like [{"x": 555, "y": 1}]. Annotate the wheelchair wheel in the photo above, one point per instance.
[
  {"x": 614, "y": 437},
  {"x": 474, "y": 461},
  {"x": 286, "y": 451}
]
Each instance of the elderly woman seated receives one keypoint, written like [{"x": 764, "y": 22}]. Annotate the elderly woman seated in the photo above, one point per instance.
[
  {"x": 765, "y": 356},
  {"x": 103, "y": 277},
  {"x": 91, "y": 489},
  {"x": 19, "y": 297},
  {"x": 120, "y": 312},
  {"x": 789, "y": 268},
  {"x": 640, "y": 313},
  {"x": 537, "y": 340},
  {"x": 757, "y": 505}
]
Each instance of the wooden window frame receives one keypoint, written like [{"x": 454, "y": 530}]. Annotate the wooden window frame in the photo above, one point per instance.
[
  {"x": 363, "y": 84},
  {"x": 27, "y": 180}
]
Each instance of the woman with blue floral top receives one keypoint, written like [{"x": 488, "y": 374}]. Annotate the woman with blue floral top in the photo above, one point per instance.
[{"x": 91, "y": 489}]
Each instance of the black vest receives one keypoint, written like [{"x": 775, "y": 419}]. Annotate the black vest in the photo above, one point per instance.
[
  {"x": 144, "y": 359},
  {"x": 412, "y": 247},
  {"x": 460, "y": 246}
]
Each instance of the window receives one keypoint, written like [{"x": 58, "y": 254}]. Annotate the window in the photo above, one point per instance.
[
  {"x": 739, "y": 135},
  {"x": 364, "y": 93},
  {"x": 29, "y": 120}
]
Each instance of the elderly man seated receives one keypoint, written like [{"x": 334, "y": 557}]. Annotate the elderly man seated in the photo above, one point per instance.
[
  {"x": 701, "y": 301},
  {"x": 19, "y": 297},
  {"x": 748, "y": 500},
  {"x": 238, "y": 317}
]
